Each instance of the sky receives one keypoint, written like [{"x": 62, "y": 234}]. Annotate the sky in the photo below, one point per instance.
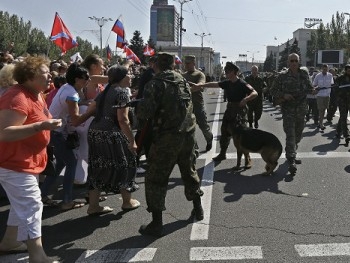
[{"x": 235, "y": 27}]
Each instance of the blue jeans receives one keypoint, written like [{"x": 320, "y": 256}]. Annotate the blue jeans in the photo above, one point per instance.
[{"x": 64, "y": 158}]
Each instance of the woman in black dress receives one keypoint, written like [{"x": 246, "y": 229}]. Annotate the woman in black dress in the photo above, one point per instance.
[{"x": 112, "y": 147}]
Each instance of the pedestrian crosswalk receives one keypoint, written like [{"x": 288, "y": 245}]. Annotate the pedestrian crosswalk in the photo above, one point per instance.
[{"x": 200, "y": 254}]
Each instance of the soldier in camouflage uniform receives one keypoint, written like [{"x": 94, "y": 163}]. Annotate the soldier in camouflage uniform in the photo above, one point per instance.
[
  {"x": 290, "y": 90},
  {"x": 343, "y": 95},
  {"x": 167, "y": 101},
  {"x": 269, "y": 81},
  {"x": 255, "y": 106},
  {"x": 193, "y": 75}
]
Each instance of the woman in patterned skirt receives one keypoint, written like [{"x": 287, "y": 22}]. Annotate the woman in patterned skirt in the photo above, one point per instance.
[{"x": 112, "y": 147}]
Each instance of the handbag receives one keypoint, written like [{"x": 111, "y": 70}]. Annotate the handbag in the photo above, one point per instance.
[{"x": 72, "y": 140}]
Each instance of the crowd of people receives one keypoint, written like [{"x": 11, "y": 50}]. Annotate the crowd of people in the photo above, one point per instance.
[{"x": 82, "y": 111}]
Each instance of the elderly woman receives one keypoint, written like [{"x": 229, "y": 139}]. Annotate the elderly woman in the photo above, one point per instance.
[
  {"x": 65, "y": 106},
  {"x": 112, "y": 147},
  {"x": 6, "y": 78},
  {"x": 25, "y": 125}
]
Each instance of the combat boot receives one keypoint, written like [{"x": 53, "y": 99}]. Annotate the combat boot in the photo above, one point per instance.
[
  {"x": 198, "y": 211},
  {"x": 209, "y": 144},
  {"x": 220, "y": 157},
  {"x": 292, "y": 167},
  {"x": 155, "y": 228},
  {"x": 256, "y": 125}
]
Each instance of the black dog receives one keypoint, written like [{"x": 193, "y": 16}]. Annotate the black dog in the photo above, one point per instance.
[{"x": 249, "y": 140}]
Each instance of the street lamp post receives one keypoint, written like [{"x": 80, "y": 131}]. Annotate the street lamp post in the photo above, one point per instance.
[
  {"x": 246, "y": 61},
  {"x": 202, "y": 35},
  {"x": 253, "y": 52},
  {"x": 101, "y": 21},
  {"x": 182, "y": 2}
]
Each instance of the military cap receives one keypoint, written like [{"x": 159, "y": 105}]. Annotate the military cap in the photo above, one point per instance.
[
  {"x": 230, "y": 66},
  {"x": 190, "y": 58},
  {"x": 347, "y": 66},
  {"x": 165, "y": 61}
]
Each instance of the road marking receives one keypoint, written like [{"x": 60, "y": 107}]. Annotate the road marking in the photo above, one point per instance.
[
  {"x": 22, "y": 258},
  {"x": 226, "y": 253},
  {"x": 323, "y": 250},
  {"x": 200, "y": 230},
  {"x": 117, "y": 255},
  {"x": 303, "y": 155}
]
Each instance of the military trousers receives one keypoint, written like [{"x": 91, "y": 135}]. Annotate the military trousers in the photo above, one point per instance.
[
  {"x": 255, "y": 108},
  {"x": 293, "y": 126},
  {"x": 201, "y": 119},
  {"x": 343, "y": 117},
  {"x": 166, "y": 151}
]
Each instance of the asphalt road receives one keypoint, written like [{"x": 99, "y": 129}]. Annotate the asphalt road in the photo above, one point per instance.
[{"x": 248, "y": 217}]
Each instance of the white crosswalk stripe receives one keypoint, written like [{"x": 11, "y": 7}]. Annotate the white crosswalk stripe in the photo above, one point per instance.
[
  {"x": 118, "y": 255},
  {"x": 225, "y": 253},
  {"x": 323, "y": 250},
  {"x": 199, "y": 253}
]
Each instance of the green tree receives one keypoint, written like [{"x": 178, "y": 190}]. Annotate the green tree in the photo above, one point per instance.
[
  {"x": 284, "y": 57},
  {"x": 269, "y": 64},
  {"x": 137, "y": 45}
]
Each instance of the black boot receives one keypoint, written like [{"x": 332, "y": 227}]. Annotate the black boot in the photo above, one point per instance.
[
  {"x": 292, "y": 167},
  {"x": 220, "y": 157},
  {"x": 155, "y": 228},
  {"x": 256, "y": 125},
  {"x": 198, "y": 209}
]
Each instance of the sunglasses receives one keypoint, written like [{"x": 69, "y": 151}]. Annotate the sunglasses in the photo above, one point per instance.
[{"x": 294, "y": 60}]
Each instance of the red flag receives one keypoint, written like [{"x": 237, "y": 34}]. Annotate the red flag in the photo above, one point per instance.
[
  {"x": 131, "y": 55},
  {"x": 61, "y": 36},
  {"x": 177, "y": 60},
  {"x": 109, "y": 53},
  {"x": 148, "y": 51}
]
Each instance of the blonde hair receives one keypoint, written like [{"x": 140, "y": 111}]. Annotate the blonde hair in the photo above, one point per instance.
[{"x": 6, "y": 76}]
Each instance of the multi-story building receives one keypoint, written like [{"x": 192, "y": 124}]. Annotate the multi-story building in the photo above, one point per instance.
[
  {"x": 164, "y": 23},
  {"x": 165, "y": 33},
  {"x": 302, "y": 35}
]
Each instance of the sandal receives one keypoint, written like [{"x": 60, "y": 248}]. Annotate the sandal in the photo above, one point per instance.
[
  {"x": 134, "y": 205},
  {"x": 101, "y": 199},
  {"x": 49, "y": 202},
  {"x": 71, "y": 205},
  {"x": 102, "y": 211}
]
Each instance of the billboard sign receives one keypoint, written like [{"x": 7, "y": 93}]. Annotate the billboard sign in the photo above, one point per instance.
[
  {"x": 311, "y": 22},
  {"x": 330, "y": 57}
]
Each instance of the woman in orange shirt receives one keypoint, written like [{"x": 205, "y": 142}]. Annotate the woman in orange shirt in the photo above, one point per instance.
[{"x": 25, "y": 125}]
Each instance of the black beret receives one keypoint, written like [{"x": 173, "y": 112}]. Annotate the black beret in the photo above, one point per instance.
[{"x": 230, "y": 66}]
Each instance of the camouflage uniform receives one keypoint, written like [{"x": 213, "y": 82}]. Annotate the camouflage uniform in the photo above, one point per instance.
[
  {"x": 293, "y": 111},
  {"x": 255, "y": 106},
  {"x": 174, "y": 137},
  {"x": 198, "y": 104},
  {"x": 343, "y": 95}
]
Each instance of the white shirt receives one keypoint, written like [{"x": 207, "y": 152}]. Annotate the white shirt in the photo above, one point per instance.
[
  {"x": 59, "y": 107},
  {"x": 323, "y": 81}
]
